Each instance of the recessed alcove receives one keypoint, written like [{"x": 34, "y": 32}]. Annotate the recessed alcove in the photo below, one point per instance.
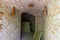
[{"x": 27, "y": 25}]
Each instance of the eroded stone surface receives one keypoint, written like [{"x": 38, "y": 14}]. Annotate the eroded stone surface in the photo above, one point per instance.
[{"x": 52, "y": 25}]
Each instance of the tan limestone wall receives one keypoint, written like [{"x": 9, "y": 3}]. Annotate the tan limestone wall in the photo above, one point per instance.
[{"x": 52, "y": 21}]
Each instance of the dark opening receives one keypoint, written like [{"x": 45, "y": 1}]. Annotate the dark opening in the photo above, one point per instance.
[{"x": 27, "y": 19}]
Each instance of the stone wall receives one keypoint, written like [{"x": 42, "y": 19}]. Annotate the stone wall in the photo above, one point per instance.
[
  {"x": 52, "y": 21},
  {"x": 12, "y": 25}
]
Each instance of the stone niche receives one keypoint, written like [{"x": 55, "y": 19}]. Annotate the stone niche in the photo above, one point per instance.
[
  {"x": 35, "y": 23},
  {"x": 27, "y": 25}
]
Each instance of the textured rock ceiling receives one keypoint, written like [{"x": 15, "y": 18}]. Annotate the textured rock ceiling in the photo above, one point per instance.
[{"x": 23, "y": 5}]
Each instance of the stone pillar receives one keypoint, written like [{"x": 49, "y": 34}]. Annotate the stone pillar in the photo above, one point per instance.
[{"x": 52, "y": 21}]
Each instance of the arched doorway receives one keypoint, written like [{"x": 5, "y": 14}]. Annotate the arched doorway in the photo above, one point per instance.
[{"x": 27, "y": 25}]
